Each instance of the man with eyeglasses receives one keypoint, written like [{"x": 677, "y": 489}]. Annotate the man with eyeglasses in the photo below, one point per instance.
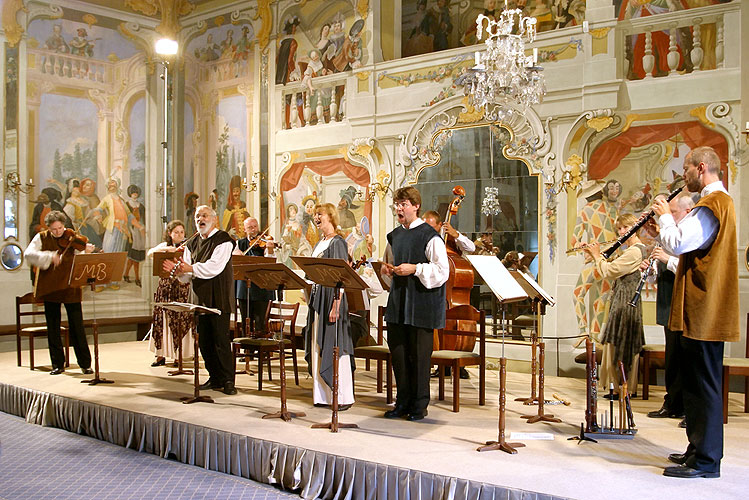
[{"x": 416, "y": 304}]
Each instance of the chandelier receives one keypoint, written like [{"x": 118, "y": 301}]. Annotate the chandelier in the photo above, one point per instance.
[
  {"x": 503, "y": 72},
  {"x": 490, "y": 203}
]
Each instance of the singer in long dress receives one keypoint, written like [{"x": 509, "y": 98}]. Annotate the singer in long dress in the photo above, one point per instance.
[
  {"x": 623, "y": 335},
  {"x": 328, "y": 321},
  {"x": 168, "y": 327}
]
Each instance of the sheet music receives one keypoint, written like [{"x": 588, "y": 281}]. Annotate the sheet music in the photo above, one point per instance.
[
  {"x": 188, "y": 306},
  {"x": 497, "y": 277},
  {"x": 548, "y": 298}
]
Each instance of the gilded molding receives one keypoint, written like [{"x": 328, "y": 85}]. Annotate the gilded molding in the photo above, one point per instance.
[
  {"x": 700, "y": 112},
  {"x": 170, "y": 10},
  {"x": 600, "y": 32},
  {"x": 13, "y": 30},
  {"x": 471, "y": 114},
  {"x": 600, "y": 122},
  {"x": 362, "y": 7},
  {"x": 265, "y": 14}
]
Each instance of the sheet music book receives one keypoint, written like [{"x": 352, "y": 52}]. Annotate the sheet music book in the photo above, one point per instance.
[
  {"x": 497, "y": 278},
  {"x": 528, "y": 279}
]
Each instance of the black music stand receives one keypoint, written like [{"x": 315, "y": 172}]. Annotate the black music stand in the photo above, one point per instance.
[
  {"x": 506, "y": 290},
  {"x": 96, "y": 269},
  {"x": 239, "y": 266},
  {"x": 196, "y": 311},
  {"x": 338, "y": 274},
  {"x": 158, "y": 270},
  {"x": 277, "y": 277}
]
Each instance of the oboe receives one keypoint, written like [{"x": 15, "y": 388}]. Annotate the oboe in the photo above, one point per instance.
[
  {"x": 643, "y": 278},
  {"x": 636, "y": 227}
]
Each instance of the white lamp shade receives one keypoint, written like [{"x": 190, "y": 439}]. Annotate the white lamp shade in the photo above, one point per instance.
[{"x": 166, "y": 47}]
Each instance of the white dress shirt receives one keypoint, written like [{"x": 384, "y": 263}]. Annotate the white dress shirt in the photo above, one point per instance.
[
  {"x": 697, "y": 230},
  {"x": 464, "y": 244},
  {"x": 213, "y": 266},
  {"x": 436, "y": 272},
  {"x": 38, "y": 257}
]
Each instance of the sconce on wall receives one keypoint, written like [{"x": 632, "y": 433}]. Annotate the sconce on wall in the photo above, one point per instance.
[
  {"x": 253, "y": 184},
  {"x": 160, "y": 188},
  {"x": 380, "y": 188},
  {"x": 572, "y": 175},
  {"x": 746, "y": 132},
  {"x": 13, "y": 184}
]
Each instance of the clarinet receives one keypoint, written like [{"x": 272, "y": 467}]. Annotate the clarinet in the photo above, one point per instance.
[
  {"x": 643, "y": 278},
  {"x": 636, "y": 227}
]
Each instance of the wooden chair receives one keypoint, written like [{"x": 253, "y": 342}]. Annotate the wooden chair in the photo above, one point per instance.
[
  {"x": 262, "y": 346},
  {"x": 34, "y": 329},
  {"x": 379, "y": 352},
  {"x": 648, "y": 354},
  {"x": 736, "y": 366},
  {"x": 459, "y": 359}
]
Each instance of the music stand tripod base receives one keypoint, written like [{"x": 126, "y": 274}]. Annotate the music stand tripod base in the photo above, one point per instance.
[{"x": 503, "y": 446}]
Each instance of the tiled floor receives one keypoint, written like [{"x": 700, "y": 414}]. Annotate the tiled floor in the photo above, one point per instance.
[{"x": 46, "y": 463}]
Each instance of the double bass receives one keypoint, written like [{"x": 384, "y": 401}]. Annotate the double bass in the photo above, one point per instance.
[{"x": 459, "y": 284}]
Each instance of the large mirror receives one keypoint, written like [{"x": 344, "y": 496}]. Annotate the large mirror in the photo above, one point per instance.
[
  {"x": 473, "y": 157},
  {"x": 10, "y": 141}
]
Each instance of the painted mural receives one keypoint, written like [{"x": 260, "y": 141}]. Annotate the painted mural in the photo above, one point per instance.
[
  {"x": 72, "y": 84},
  {"x": 434, "y": 25},
  {"x": 231, "y": 161}
]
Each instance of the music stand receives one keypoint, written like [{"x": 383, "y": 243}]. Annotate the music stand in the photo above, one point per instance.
[
  {"x": 506, "y": 290},
  {"x": 196, "y": 311},
  {"x": 96, "y": 269},
  {"x": 539, "y": 300},
  {"x": 239, "y": 266},
  {"x": 158, "y": 270},
  {"x": 277, "y": 276},
  {"x": 333, "y": 273}
]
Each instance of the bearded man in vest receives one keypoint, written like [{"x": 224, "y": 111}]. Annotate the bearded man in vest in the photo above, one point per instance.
[
  {"x": 207, "y": 263},
  {"x": 704, "y": 306},
  {"x": 417, "y": 261}
]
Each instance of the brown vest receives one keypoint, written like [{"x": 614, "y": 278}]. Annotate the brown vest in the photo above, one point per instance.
[
  {"x": 56, "y": 278},
  {"x": 705, "y": 303}
]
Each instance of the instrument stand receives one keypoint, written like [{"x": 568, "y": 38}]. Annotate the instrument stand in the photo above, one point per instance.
[
  {"x": 541, "y": 417},
  {"x": 95, "y": 326},
  {"x": 196, "y": 311},
  {"x": 533, "y": 398},
  {"x": 91, "y": 270},
  {"x": 501, "y": 444},
  {"x": 334, "y": 425},
  {"x": 276, "y": 328}
]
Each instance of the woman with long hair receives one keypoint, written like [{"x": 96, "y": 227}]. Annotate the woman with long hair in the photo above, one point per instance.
[
  {"x": 169, "y": 328},
  {"x": 328, "y": 320},
  {"x": 623, "y": 335}
]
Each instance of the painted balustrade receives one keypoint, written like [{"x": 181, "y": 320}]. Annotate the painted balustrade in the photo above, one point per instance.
[
  {"x": 68, "y": 66},
  {"x": 313, "y": 101}
]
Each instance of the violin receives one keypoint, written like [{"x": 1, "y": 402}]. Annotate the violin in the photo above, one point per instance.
[
  {"x": 356, "y": 265},
  {"x": 72, "y": 239}
]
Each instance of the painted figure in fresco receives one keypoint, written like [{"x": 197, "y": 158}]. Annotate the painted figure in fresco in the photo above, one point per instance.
[
  {"x": 191, "y": 203},
  {"x": 324, "y": 42},
  {"x": 210, "y": 52},
  {"x": 92, "y": 228},
  {"x": 337, "y": 37},
  {"x": 113, "y": 213},
  {"x": 41, "y": 209},
  {"x": 56, "y": 42},
  {"x": 469, "y": 37},
  {"x": 419, "y": 40},
  {"x": 227, "y": 46},
  {"x": 349, "y": 57},
  {"x": 440, "y": 25},
  {"x": 80, "y": 45},
  {"x": 345, "y": 215},
  {"x": 660, "y": 39},
  {"x": 213, "y": 200},
  {"x": 310, "y": 236},
  {"x": 286, "y": 69},
  {"x": 595, "y": 222},
  {"x": 315, "y": 68},
  {"x": 242, "y": 49},
  {"x": 232, "y": 220},
  {"x": 292, "y": 230},
  {"x": 137, "y": 221}
]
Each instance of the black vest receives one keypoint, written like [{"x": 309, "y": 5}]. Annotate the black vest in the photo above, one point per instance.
[
  {"x": 410, "y": 302},
  {"x": 665, "y": 289},
  {"x": 256, "y": 293},
  {"x": 216, "y": 292}
]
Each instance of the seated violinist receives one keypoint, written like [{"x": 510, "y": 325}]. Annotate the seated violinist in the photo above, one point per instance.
[
  {"x": 464, "y": 244},
  {"x": 258, "y": 245},
  {"x": 51, "y": 252},
  {"x": 485, "y": 244},
  {"x": 512, "y": 261}
]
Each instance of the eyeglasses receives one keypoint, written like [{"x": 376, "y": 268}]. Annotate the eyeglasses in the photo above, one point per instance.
[{"x": 402, "y": 204}]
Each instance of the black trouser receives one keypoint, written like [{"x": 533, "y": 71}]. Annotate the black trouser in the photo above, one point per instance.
[
  {"x": 258, "y": 308},
  {"x": 411, "y": 348},
  {"x": 75, "y": 328},
  {"x": 673, "y": 400},
  {"x": 701, "y": 371},
  {"x": 215, "y": 347}
]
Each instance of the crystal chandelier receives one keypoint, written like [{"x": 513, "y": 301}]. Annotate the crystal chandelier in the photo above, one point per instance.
[
  {"x": 503, "y": 72},
  {"x": 490, "y": 203}
]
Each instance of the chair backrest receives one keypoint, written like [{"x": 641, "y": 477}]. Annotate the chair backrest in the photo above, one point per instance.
[
  {"x": 465, "y": 313},
  {"x": 381, "y": 325},
  {"x": 285, "y": 312},
  {"x": 32, "y": 301}
]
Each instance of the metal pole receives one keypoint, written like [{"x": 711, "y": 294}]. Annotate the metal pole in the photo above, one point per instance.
[{"x": 165, "y": 146}]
